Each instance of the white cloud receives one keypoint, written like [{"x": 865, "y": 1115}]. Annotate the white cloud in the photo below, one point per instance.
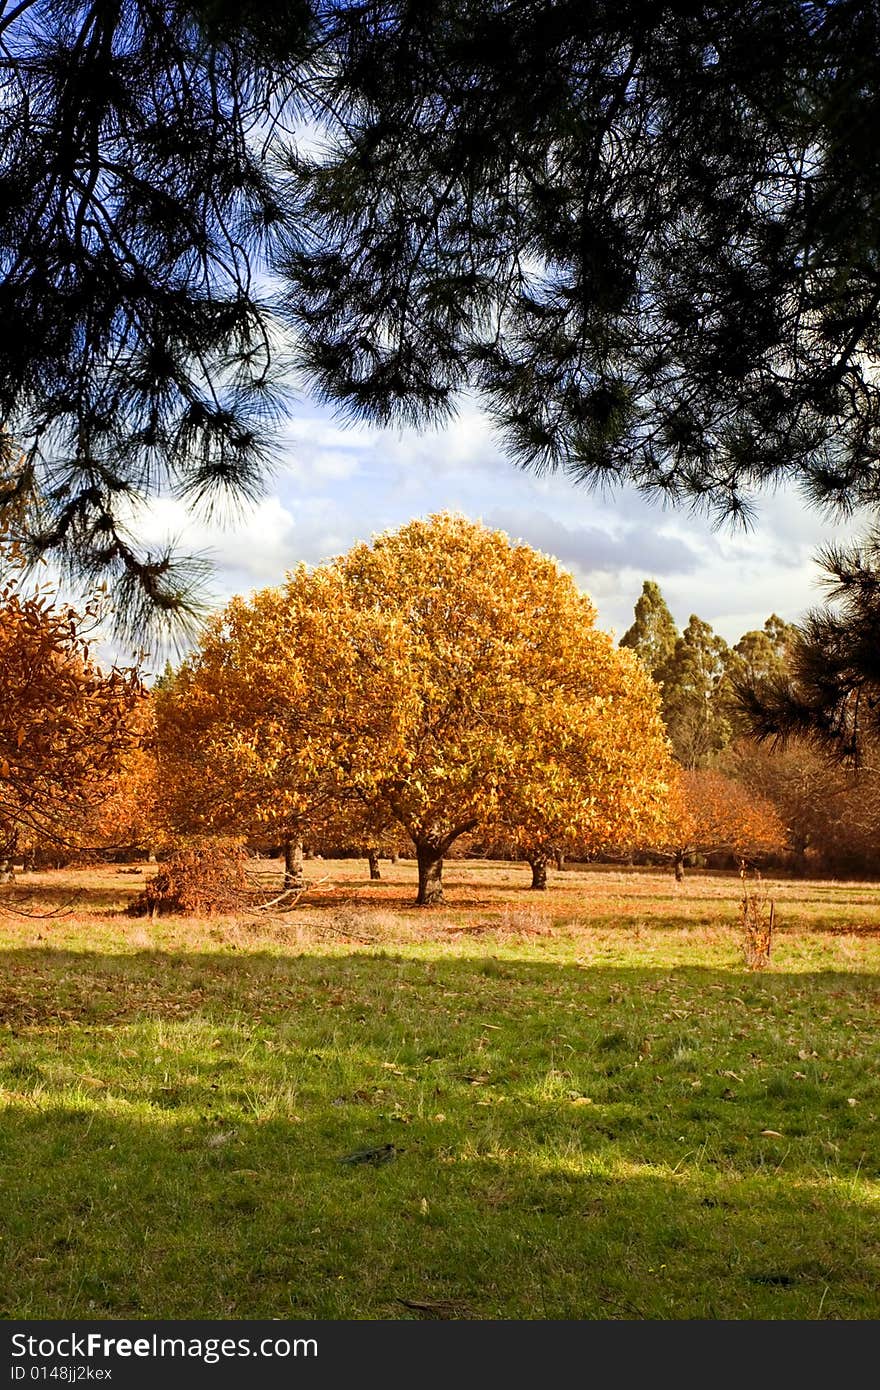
[
  {"x": 322, "y": 465},
  {"x": 314, "y": 432},
  {"x": 256, "y": 548},
  {"x": 339, "y": 484},
  {"x": 607, "y": 547}
]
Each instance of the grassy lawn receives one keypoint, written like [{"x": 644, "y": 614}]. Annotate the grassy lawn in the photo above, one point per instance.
[{"x": 595, "y": 1110}]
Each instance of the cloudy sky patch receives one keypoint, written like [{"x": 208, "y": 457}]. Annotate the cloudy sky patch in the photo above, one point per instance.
[{"x": 336, "y": 484}]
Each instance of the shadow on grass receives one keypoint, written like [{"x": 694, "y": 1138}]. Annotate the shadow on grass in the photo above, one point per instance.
[
  {"x": 26, "y": 898},
  {"x": 141, "y": 979},
  {"x": 637, "y": 1056},
  {"x": 570, "y": 1141},
  {"x": 115, "y": 1216}
]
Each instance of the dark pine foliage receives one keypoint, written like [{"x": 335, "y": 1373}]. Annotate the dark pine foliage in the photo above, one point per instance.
[
  {"x": 135, "y": 351},
  {"x": 645, "y": 232},
  {"x": 831, "y": 692}
]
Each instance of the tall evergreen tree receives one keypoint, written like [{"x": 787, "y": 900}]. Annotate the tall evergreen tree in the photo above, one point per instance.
[
  {"x": 653, "y": 633},
  {"x": 759, "y": 657},
  {"x": 695, "y": 694},
  {"x": 764, "y": 653}
]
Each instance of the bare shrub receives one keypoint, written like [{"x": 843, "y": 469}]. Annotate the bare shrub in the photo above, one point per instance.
[
  {"x": 757, "y": 913},
  {"x": 198, "y": 879}
]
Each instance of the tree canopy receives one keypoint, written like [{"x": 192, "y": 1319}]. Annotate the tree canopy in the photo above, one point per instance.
[
  {"x": 829, "y": 690},
  {"x": 441, "y": 679},
  {"x": 709, "y": 689},
  {"x": 653, "y": 633},
  {"x": 66, "y": 725},
  {"x": 644, "y": 234},
  {"x": 135, "y": 198},
  {"x": 277, "y": 723},
  {"x": 809, "y": 695},
  {"x": 708, "y": 813},
  {"x": 696, "y": 694}
]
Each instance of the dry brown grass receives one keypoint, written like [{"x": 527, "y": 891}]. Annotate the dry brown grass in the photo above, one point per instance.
[{"x": 584, "y": 910}]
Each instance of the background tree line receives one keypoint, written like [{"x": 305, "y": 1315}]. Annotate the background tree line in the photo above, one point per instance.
[
  {"x": 829, "y": 806},
  {"x": 440, "y": 688}
]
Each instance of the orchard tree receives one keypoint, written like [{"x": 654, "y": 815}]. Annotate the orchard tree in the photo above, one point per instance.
[
  {"x": 275, "y": 726},
  {"x": 66, "y": 723},
  {"x": 521, "y": 714},
  {"x": 420, "y": 681},
  {"x": 832, "y": 810},
  {"x": 130, "y": 812},
  {"x": 599, "y": 765},
  {"x": 710, "y": 814}
]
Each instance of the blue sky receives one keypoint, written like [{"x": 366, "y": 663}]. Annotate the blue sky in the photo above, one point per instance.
[{"x": 337, "y": 484}]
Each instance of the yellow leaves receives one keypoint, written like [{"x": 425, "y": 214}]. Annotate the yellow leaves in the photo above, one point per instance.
[{"x": 440, "y": 674}]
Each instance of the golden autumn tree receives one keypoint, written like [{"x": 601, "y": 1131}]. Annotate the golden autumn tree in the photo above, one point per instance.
[
  {"x": 523, "y": 717},
  {"x": 709, "y": 814},
  {"x": 263, "y": 729},
  {"x": 440, "y": 679},
  {"x": 65, "y": 724},
  {"x": 130, "y": 811},
  {"x": 600, "y": 764}
]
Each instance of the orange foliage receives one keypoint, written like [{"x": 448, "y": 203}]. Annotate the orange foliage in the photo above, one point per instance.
[
  {"x": 441, "y": 678},
  {"x": 205, "y": 878},
  {"x": 130, "y": 813},
  {"x": 520, "y": 715},
  {"x": 600, "y": 764},
  {"x": 65, "y": 725},
  {"x": 709, "y": 813},
  {"x": 267, "y": 728}
]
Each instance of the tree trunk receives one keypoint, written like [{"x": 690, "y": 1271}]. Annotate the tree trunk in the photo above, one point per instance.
[
  {"x": 293, "y": 864},
  {"x": 539, "y": 873},
  {"x": 373, "y": 861},
  {"x": 560, "y": 859},
  {"x": 430, "y": 862},
  {"x": 679, "y": 868},
  {"x": 394, "y": 856}
]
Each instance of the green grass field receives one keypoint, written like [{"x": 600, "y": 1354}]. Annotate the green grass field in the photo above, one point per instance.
[{"x": 595, "y": 1110}]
